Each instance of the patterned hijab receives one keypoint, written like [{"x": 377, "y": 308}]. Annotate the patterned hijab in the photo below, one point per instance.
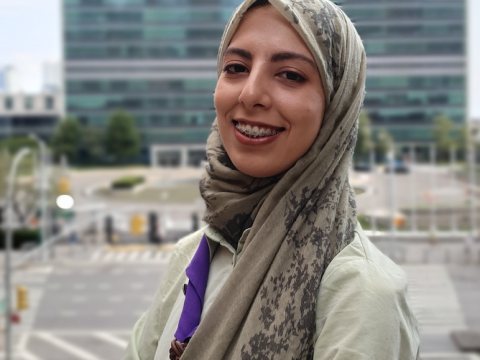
[{"x": 300, "y": 220}]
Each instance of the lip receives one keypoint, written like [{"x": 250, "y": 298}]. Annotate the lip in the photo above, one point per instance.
[
  {"x": 255, "y": 123},
  {"x": 246, "y": 140}
]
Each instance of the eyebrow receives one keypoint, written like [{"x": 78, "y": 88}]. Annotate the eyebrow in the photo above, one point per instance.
[
  {"x": 291, "y": 55},
  {"x": 282, "y": 56}
]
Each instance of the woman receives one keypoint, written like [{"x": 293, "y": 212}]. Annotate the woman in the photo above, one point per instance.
[{"x": 283, "y": 270}]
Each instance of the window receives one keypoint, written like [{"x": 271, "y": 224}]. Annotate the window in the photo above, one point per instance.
[
  {"x": 49, "y": 103},
  {"x": 28, "y": 103},
  {"x": 8, "y": 103}
]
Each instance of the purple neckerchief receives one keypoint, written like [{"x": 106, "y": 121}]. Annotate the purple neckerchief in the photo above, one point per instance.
[{"x": 197, "y": 273}]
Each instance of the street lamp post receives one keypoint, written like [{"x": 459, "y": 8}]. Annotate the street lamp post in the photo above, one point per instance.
[
  {"x": 43, "y": 194},
  {"x": 8, "y": 247}
]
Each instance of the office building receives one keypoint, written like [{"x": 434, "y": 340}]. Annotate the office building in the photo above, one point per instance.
[
  {"x": 153, "y": 58},
  {"x": 415, "y": 63},
  {"x": 157, "y": 60},
  {"x": 23, "y": 114},
  {"x": 10, "y": 80},
  {"x": 52, "y": 77}
]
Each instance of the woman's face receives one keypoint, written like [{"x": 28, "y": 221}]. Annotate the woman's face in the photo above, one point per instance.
[{"x": 269, "y": 97}]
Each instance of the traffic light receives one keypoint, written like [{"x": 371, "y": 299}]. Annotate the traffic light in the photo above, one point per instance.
[
  {"x": 153, "y": 236},
  {"x": 22, "y": 298},
  {"x": 137, "y": 224}
]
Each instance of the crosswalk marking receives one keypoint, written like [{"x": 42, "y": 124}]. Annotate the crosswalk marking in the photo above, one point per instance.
[
  {"x": 434, "y": 299},
  {"x": 144, "y": 256},
  {"x": 112, "y": 339},
  {"x": 66, "y": 346}
]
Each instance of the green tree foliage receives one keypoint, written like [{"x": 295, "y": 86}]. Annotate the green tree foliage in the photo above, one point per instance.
[
  {"x": 93, "y": 144},
  {"x": 383, "y": 143},
  {"x": 13, "y": 144},
  {"x": 445, "y": 136},
  {"x": 364, "y": 138},
  {"x": 67, "y": 139},
  {"x": 122, "y": 140}
]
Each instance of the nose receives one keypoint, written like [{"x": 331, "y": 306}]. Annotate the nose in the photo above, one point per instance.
[{"x": 256, "y": 92}]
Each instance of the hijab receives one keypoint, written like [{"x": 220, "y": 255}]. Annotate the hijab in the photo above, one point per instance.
[{"x": 299, "y": 220}]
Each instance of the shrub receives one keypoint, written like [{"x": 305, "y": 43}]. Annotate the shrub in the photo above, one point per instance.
[
  {"x": 127, "y": 182},
  {"x": 20, "y": 237}
]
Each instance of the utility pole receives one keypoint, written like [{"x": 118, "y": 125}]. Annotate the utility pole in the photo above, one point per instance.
[
  {"x": 43, "y": 195},
  {"x": 8, "y": 248}
]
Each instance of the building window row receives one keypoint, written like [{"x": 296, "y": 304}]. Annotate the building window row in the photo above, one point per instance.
[
  {"x": 166, "y": 33},
  {"x": 149, "y": 121},
  {"x": 414, "y": 82},
  {"x": 112, "y": 102},
  {"x": 28, "y": 103},
  {"x": 127, "y": 3},
  {"x": 141, "y": 86},
  {"x": 146, "y": 16},
  {"x": 141, "y": 52}
]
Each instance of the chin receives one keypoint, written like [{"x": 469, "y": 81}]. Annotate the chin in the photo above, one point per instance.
[{"x": 257, "y": 171}]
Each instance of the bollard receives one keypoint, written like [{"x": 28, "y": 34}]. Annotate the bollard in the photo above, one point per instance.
[
  {"x": 153, "y": 236},
  {"x": 109, "y": 229},
  {"x": 195, "y": 226}
]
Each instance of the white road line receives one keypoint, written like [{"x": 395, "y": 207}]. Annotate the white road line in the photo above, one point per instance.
[
  {"x": 22, "y": 343},
  {"x": 72, "y": 349},
  {"x": 146, "y": 255},
  {"x": 96, "y": 255},
  {"x": 27, "y": 355},
  {"x": 109, "y": 256},
  {"x": 120, "y": 256},
  {"x": 112, "y": 339},
  {"x": 133, "y": 256}
]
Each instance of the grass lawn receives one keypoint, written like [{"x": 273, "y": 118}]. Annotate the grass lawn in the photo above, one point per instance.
[{"x": 183, "y": 194}]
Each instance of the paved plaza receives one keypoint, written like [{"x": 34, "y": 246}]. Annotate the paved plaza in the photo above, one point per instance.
[{"x": 84, "y": 301}]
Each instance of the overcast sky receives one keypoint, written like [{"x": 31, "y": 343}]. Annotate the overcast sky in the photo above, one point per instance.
[{"x": 30, "y": 35}]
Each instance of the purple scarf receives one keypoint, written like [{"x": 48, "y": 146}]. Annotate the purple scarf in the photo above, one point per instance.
[{"x": 197, "y": 273}]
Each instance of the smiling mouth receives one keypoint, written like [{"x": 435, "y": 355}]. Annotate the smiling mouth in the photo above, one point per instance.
[{"x": 256, "y": 131}]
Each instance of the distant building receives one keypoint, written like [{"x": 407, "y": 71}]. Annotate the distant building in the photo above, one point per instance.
[
  {"x": 10, "y": 80},
  {"x": 52, "y": 77},
  {"x": 415, "y": 63},
  {"x": 153, "y": 58},
  {"x": 23, "y": 114}
]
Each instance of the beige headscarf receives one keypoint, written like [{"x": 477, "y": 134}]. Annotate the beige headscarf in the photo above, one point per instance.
[{"x": 299, "y": 220}]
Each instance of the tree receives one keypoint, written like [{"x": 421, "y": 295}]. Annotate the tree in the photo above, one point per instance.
[
  {"x": 92, "y": 143},
  {"x": 67, "y": 139},
  {"x": 122, "y": 140},
  {"x": 13, "y": 144},
  {"x": 383, "y": 143},
  {"x": 364, "y": 137},
  {"x": 444, "y": 136}
]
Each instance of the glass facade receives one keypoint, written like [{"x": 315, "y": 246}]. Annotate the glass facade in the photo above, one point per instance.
[
  {"x": 153, "y": 58},
  {"x": 156, "y": 59},
  {"x": 416, "y": 63}
]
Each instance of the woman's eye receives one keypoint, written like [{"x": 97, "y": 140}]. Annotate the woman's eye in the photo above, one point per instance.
[
  {"x": 293, "y": 76},
  {"x": 235, "y": 68}
]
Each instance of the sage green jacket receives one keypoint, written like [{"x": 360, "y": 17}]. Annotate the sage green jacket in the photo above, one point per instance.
[{"x": 363, "y": 311}]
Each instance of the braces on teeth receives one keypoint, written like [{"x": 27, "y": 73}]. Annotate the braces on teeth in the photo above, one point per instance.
[{"x": 254, "y": 134}]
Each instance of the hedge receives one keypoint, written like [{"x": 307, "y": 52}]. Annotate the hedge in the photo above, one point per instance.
[
  {"x": 20, "y": 237},
  {"x": 127, "y": 182}
]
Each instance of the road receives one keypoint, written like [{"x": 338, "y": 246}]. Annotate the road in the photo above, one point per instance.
[{"x": 85, "y": 303}]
